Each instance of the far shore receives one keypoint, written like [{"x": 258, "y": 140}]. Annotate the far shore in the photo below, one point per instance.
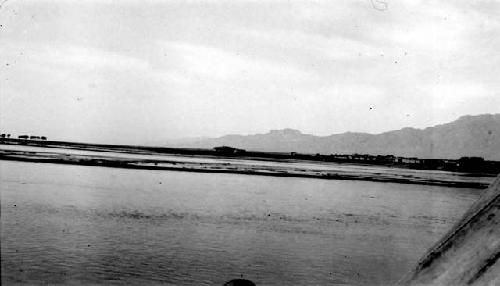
[
  {"x": 473, "y": 165},
  {"x": 241, "y": 165}
]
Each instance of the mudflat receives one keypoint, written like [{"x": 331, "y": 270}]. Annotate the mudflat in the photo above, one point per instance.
[{"x": 212, "y": 164}]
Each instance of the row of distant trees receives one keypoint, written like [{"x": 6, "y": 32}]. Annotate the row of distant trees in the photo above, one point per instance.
[
  {"x": 31, "y": 137},
  {"x": 24, "y": 137}
]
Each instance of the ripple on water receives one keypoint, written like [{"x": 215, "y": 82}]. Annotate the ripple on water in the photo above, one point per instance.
[{"x": 74, "y": 224}]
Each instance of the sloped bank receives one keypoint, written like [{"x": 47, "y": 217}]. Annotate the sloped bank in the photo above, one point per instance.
[{"x": 470, "y": 253}]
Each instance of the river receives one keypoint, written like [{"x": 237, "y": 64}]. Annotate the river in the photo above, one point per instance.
[{"x": 74, "y": 224}]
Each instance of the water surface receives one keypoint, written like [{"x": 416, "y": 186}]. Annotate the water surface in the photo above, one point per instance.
[{"x": 79, "y": 224}]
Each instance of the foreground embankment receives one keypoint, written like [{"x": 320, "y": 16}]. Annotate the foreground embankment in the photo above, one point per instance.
[{"x": 469, "y": 253}]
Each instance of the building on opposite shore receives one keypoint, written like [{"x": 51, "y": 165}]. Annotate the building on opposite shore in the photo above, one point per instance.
[{"x": 228, "y": 151}]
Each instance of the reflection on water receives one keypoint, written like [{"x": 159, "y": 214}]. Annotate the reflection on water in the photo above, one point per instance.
[{"x": 63, "y": 224}]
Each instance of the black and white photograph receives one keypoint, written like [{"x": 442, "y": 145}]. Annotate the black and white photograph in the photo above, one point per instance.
[{"x": 250, "y": 142}]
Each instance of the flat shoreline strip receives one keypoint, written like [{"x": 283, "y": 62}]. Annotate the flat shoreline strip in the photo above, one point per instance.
[{"x": 243, "y": 169}]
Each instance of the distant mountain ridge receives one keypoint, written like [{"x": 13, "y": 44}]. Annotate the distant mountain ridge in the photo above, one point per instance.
[{"x": 467, "y": 136}]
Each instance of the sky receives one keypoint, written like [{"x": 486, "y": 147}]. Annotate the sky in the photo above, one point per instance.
[{"x": 147, "y": 70}]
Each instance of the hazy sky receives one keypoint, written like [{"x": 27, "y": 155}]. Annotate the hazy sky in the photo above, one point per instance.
[{"x": 145, "y": 71}]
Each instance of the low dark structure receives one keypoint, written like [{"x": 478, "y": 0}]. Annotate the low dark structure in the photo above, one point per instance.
[
  {"x": 228, "y": 151},
  {"x": 470, "y": 163},
  {"x": 239, "y": 282}
]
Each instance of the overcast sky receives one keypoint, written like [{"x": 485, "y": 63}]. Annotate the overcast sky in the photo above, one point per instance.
[{"x": 144, "y": 71}]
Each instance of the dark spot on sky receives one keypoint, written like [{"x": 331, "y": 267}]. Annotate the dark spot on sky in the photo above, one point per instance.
[
  {"x": 379, "y": 5},
  {"x": 3, "y": 2}
]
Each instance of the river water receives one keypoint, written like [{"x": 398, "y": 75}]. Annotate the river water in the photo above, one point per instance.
[{"x": 94, "y": 225}]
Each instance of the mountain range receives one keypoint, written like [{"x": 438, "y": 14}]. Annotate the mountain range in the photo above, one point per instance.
[{"x": 467, "y": 136}]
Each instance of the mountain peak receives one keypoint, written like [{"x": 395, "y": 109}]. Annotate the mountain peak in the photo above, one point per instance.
[
  {"x": 285, "y": 131},
  {"x": 473, "y": 136},
  {"x": 478, "y": 117}
]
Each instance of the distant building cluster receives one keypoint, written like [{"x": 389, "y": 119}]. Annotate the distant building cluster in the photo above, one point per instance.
[
  {"x": 383, "y": 159},
  {"x": 462, "y": 164},
  {"x": 465, "y": 164}
]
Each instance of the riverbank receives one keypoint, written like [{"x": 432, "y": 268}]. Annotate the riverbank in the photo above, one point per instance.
[
  {"x": 277, "y": 168},
  {"x": 473, "y": 165}
]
